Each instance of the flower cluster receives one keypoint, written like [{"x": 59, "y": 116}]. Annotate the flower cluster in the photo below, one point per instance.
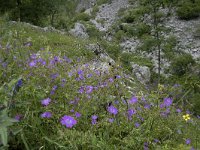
[{"x": 186, "y": 117}]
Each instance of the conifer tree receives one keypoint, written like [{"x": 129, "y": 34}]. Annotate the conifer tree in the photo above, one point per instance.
[{"x": 154, "y": 14}]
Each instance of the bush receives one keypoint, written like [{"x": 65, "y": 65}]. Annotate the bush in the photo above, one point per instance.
[
  {"x": 129, "y": 17},
  {"x": 142, "y": 29},
  {"x": 119, "y": 35},
  {"x": 126, "y": 58},
  {"x": 195, "y": 101},
  {"x": 188, "y": 11},
  {"x": 82, "y": 17},
  {"x": 182, "y": 64},
  {"x": 101, "y": 2},
  {"x": 93, "y": 31},
  {"x": 169, "y": 47},
  {"x": 95, "y": 9}
]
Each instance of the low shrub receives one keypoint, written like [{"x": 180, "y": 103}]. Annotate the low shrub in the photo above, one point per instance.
[
  {"x": 82, "y": 17},
  {"x": 188, "y": 10},
  {"x": 182, "y": 64}
]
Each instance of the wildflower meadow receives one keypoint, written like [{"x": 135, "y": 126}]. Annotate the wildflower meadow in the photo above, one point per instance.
[{"x": 52, "y": 97}]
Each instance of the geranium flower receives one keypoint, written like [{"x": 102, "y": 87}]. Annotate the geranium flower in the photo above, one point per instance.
[
  {"x": 46, "y": 114},
  {"x": 112, "y": 110},
  {"x": 133, "y": 100},
  {"x": 68, "y": 121},
  {"x": 46, "y": 102}
]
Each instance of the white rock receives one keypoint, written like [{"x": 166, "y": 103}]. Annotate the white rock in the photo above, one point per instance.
[
  {"x": 79, "y": 31},
  {"x": 142, "y": 73}
]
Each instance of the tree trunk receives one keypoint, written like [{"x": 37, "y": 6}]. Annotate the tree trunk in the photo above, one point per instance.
[
  {"x": 19, "y": 3},
  {"x": 52, "y": 18}
]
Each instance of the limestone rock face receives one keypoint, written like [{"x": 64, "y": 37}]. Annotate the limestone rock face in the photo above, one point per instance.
[
  {"x": 142, "y": 73},
  {"x": 108, "y": 14},
  {"x": 85, "y": 4},
  {"x": 130, "y": 45},
  {"x": 79, "y": 31},
  {"x": 185, "y": 33}
]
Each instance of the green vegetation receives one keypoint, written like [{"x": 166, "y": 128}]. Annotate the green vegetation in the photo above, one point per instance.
[
  {"x": 39, "y": 12},
  {"x": 46, "y": 80},
  {"x": 188, "y": 9},
  {"x": 82, "y": 17},
  {"x": 182, "y": 64},
  {"x": 56, "y": 94}
]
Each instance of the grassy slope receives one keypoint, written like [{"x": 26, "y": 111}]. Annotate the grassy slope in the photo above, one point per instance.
[{"x": 36, "y": 132}]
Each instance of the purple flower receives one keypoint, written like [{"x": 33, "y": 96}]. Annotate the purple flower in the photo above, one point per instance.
[
  {"x": 142, "y": 119},
  {"x": 33, "y": 63},
  {"x": 41, "y": 61},
  {"x": 131, "y": 112},
  {"x": 133, "y": 100},
  {"x": 118, "y": 76},
  {"x": 112, "y": 110},
  {"x": 187, "y": 141},
  {"x": 77, "y": 114},
  {"x": 54, "y": 76},
  {"x": 167, "y": 102},
  {"x": 56, "y": 59},
  {"x": 116, "y": 102},
  {"x": 111, "y": 120},
  {"x": 162, "y": 105},
  {"x": 18, "y": 117},
  {"x": 68, "y": 121},
  {"x": 178, "y": 110},
  {"x": 177, "y": 85},
  {"x": 89, "y": 75},
  {"x": 94, "y": 117},
  {"x": 156, "y": 141},
  {"x": 188, "y": 112},
  {"x": 147, "y": 106},
  {"x": 46, "y": 101},
  {"x": 80, "y": 72},
  {"x": 98, "y": 72},
  {"x": 89, "y": 89},
  {"x": 46, "y": 115},
  {"x": 81, "y": 89},
  {"x": 54, "y": 87},
  {"x": 137, "y": 125},
  {"x": 33, "y": 56},
  {"x": 165, "y": 113},
  {"x": 4, "y": 64},
  {"x": 70, "y": 74},
  {"x": 111, "y": 80},
  {"x": 19, "y": 83},
  {"x": 81, "y": 77},
  {"x": 72, "y": 110},
  {"x": 94, "y": 122},
  {"x": 67, "y": 59},
  {"x": 146, "y": 146}
]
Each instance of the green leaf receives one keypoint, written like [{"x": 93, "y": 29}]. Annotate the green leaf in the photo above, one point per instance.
[
  {"x": 54, "y": 142},
  {"x": 5, "y": 121},
  {"x": 4, "y": 135}
]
